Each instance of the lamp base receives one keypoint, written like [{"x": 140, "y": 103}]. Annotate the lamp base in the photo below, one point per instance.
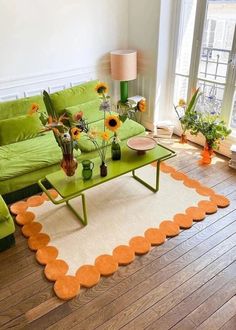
[{"x": 123, "y": 91}]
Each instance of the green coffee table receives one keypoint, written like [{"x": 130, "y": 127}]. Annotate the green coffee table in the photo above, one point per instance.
[{"x": 130, "y": 161}]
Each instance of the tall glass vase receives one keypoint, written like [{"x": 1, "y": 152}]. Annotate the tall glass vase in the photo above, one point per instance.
[{"x": 69, "y": 164}]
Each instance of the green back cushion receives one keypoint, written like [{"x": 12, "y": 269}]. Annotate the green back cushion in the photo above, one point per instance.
[
  {"x": 74, "y": 96},
  {"x": 20, "y": 107},
  {"x": 90, "y": 111},
  {"x": 19, "y": 128}
]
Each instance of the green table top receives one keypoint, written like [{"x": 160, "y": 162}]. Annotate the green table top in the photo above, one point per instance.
[{"x": 130, "y": 161}]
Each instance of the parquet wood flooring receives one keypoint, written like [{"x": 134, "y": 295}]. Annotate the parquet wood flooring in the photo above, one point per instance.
[{"x": 187, "y": 283}]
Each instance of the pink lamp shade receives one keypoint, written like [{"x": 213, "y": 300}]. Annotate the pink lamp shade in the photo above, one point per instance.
[{"x": 123, "y": 65}]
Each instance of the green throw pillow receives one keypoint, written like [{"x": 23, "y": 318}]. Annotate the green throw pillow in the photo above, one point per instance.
[
  {"x": 19, "y": 128},
  {"x": 90, "y": 111}
]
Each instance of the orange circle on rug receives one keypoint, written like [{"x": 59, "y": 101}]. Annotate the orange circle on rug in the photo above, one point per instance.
[
  {"x": 106, "y": 265},
  {"x": 208, "y": 206},
  {"x": 154, "y": 164},
  {"x": 55, "y": 269},
  {"x": 66, "y": 287},
  {"x": 179, "y": 176},
  {"x": 53, "y": 193},
  {"x": 46, "y": 254},
  {"x": 169, "y": 228},
  {"x": 87, "y": 276},
  {"x": 34, "y": 201},
  {"x": 155, "y": 236},
  {"x": 18, "y": 207},
  {"x": 25, "y": 218},
  {"x": 205, "y": 191},
  {"x": 123, "y": 254},
  {"x": 191, "y": 183},
  {"x": 196, "y": 213},
  {"x": 220, "y": 200},
  {"x": 140, "y": 245},
  {"x": 167, "y": 168},
  {"x": 184, "y": 221},
  {"x": 31, "y": 229},
  {"x": 38, "y": 241}
]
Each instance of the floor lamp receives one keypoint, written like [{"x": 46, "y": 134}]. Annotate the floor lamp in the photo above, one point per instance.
[{"x": 123, "y": 68}]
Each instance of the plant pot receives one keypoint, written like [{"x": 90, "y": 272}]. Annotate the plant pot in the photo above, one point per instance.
[
  {"x": 103, "y": 169},
  {"x": 69, "y": 164},
  {"x": 207, "y": 154}
]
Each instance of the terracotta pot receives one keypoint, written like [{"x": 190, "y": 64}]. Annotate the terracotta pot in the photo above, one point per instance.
[{"x": 69, "y": 164}]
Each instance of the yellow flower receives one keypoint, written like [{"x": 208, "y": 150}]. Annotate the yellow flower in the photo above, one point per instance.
[
  {"x": 33, "y": 109},
  {"x": 75, "y": 133},
  {"x": 105, "y": 136},
  {"x": 92, "y": 133},
  {"x": 142, "y": 105},
  {"x": 101, "y": 88},
  {"x": 181, "y": 103},
  {"x": 112, "y": 123}
]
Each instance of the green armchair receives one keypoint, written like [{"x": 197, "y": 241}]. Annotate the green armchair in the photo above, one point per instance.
[{"x": 7, "y": 227}]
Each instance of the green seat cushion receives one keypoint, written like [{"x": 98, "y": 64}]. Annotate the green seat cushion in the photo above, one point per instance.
[
  {"x": 20, "y": 107},
  {"x": 19, "y": 128},
  {"x": 4, "y": 212},
  {"x": 74, "y": 96},
  {"x": 128, "y": 128},
  {"x": 29, "y": 155},
  {"x": 90, "y": 109}
]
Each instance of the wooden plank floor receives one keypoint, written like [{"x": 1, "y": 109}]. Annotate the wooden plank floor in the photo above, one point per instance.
[{"x": 187, "y": 283}]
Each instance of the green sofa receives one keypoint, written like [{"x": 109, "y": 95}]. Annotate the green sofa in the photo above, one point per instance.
[
  {"x": 7, "y": 226},
  {"x": 26, "y": 156}
]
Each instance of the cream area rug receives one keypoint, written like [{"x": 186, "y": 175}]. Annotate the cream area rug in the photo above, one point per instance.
[{"x": 124, "y": 219}]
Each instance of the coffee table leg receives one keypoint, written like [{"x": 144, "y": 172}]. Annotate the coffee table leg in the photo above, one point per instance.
[
  {"x": 145, "y": 183},
  {"x": 84, "y": 219}
]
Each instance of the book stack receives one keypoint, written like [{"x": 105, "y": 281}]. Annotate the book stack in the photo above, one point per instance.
[
  {"x": 164, "y": 129},
  {"x": 232, "y": 162}
]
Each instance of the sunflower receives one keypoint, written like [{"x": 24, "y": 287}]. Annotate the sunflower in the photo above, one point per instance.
[
  {"x": 33, "y": 109},
  {"x": 142, "y": 105},
  {"x": 75, "y": 133},
  {"x": 101, "y": 88},
  {"x": 112, "y": 123},
  {"x": 105, "y": 136}
]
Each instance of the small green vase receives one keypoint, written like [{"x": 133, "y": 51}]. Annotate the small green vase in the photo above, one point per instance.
[{"x": 115, "y": 150}]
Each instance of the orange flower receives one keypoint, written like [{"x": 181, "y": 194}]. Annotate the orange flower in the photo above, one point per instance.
[
  {"x": 142, "y": 105},
  {"x": 33, "y": 109},
  {"x": 101, "y": 88},
  {"x": 78, "y": 116},
  {"x": 75, "y": 133},
  {"x": 105, "y": 136}
]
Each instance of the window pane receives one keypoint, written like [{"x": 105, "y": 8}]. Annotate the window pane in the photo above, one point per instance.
[
  {"x": 187, "y": 19},
  {"x": 211, "y": 98},
  {"x": 217, "y": 40},
  {"x": 233, "y": 119},
  {"x": 181, "y": 88}
]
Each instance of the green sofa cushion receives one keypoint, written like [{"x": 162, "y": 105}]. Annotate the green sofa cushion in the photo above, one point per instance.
[
  {"x": 90, "y": 111},
  {"x": 19, "y": 129},
  {"x": 4, "y": 212},
  {"x": 20, "y": 107},
  {"x": 128, "y": 128},
  {"x": 29, "y": 155},
  {"x": 74, "y": 96}
]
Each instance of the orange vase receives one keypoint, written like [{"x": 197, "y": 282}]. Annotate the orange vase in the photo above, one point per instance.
[
  {"x": 69, "y": 164},
  {"x": 183, "y": 138},
  {"x": 207, "y": 154}
]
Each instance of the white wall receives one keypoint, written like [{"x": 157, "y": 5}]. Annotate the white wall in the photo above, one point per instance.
[{"x": 43, "y": 38}]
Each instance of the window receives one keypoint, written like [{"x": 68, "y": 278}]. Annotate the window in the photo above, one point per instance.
[{"x": 206, "y": 55}]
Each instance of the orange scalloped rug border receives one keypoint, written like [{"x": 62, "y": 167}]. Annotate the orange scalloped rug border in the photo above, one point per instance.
[{"x": 66, "y": 286}]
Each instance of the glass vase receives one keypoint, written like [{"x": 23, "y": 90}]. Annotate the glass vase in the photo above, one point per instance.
[
  {"x": 207, "y": 154},
  {"x": 115, "y": 151},
  {"x": 103, "y": 169},
  {"x": 69, "y": 164}
]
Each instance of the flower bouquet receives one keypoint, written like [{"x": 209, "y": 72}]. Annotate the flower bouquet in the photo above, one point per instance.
[{"x": 130, "y": 108}]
